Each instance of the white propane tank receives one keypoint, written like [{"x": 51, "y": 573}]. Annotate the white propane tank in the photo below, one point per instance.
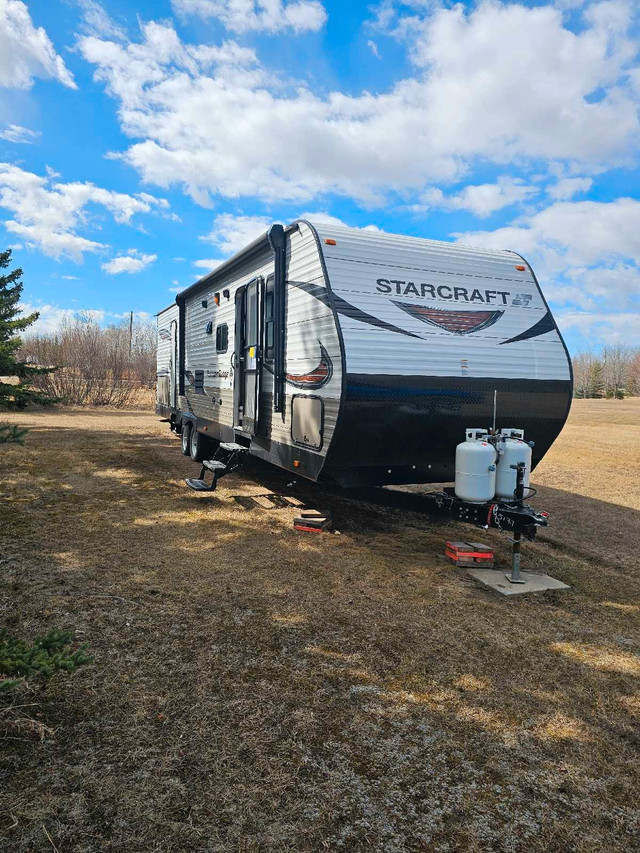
[
  {"x": 511, "y": 450},
  {"x": 475, "y": 468}
]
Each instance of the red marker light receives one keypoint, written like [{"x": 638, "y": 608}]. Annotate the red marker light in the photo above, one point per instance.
[{"x": 520, "y": 267}]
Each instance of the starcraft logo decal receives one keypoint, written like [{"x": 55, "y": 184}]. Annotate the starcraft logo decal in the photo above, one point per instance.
[
  {"x": 317, "y": 377},
  {"x": 451, "y": 320}
]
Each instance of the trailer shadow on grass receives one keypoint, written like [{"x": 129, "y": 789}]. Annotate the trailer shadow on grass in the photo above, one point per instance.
[{"x": 256, "y": 689}]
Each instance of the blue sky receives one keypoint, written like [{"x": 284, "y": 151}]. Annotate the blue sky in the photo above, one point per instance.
[{"x": 142, "y": 143}]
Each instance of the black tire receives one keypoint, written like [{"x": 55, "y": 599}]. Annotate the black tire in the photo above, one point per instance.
[
  {"x": 198, "y": 446},
  {"x": 186, "y": 437}
]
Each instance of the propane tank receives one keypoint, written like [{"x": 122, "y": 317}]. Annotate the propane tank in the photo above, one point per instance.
[
  {"x": 475, "y": 468},
  {"x": 511, "y": 449}
]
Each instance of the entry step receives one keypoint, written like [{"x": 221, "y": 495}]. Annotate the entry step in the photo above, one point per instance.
[
  {"x": 198, "y": 485},
  {"x": 214, "y": 465},
  {"x": 232, "y": 446}
]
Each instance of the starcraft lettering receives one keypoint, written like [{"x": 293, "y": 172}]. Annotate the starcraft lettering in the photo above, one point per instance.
[{"x": 444, "y": 291}]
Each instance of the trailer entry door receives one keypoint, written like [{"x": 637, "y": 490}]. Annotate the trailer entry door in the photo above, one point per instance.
[
  {"x": 248, "y": 356},
  {"x": 173, "y": 364}
]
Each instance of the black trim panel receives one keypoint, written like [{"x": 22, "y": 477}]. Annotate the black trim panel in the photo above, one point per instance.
[{"x": 398, "y": 422}]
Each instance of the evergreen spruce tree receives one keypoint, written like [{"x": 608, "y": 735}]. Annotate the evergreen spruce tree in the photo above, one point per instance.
[
  {"x": 20, "y": 395},
  {"x": 596, "y": 380}
]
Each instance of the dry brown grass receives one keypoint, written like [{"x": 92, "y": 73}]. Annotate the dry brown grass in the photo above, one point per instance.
[
  {"x": 598, "y": 455},
  {"x": 257, "y": 689}
]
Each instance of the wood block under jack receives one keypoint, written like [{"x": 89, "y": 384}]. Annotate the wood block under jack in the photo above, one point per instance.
[
  {"x": 312, "y": 523},
  {"x": 469, "y": 554}
]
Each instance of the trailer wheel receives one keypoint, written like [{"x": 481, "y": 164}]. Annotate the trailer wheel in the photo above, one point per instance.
[
  {"x": 198, "y": 446},
  {"x": 186, "y": 436}
]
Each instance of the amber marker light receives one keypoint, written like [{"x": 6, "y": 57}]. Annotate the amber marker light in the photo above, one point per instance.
[
  {"x": 520, "y": 267},
  {"x": 296, "y": 463},
  {"x": 330, "y": 241},
  {"x": 216, "y": 298}
]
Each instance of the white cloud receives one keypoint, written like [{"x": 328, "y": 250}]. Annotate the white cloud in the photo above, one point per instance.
[
  {"x": 566, "y": 188},
  {"x": 614, "y": 286},
  {"x": 207, "y": 264},
  {"x": 96, "y": 20},
  {"x": 232, "y": 233},
  {"x": 53, "y": 317},
  {"x": 269, "y": 16},
  {"x": 586, "y": 255},
  {"x": 26, "y": 51},
  {"x": 481, "y": 199},
  {"x": 373, "y": 47},
  {"x": 322, "y": 218},
  {"x": 579, "y": 233},
  {"x": 601, "y": 328},
  {"x": 47, "y": 213},
  {"x": 70, "y": 277},
  {"x": 500, "y": 81},
  {"x": 132, "y": 262},
  {"x": 18, "y": 134}
]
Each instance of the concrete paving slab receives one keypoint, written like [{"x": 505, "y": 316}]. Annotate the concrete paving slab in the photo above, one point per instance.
[{"x": 495, "y": 579}]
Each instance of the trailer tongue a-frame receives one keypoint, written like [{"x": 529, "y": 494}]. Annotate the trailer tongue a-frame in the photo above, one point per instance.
[{"x": 358, "y": 359}]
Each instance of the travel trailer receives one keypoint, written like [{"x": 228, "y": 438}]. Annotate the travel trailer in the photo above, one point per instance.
[{"x": 359, "y": 358}]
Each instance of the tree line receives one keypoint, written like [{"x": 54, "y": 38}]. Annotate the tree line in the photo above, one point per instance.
[
  {"x": 81, "y": 363},
  {"x": 95, "y": 365},
  {"x": 613, "y": 372}
]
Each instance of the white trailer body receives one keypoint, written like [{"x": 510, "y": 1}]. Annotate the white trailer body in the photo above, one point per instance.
[{"x": 361, "y": 357}]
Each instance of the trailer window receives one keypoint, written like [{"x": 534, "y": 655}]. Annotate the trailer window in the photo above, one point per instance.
[
  {"x": 199, "y": 381},
  {"x": 222, "y": 338},
  {"x": 269, "y": 321}
]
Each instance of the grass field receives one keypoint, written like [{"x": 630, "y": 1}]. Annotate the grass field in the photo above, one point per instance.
[{"x": 258, "y": 689}]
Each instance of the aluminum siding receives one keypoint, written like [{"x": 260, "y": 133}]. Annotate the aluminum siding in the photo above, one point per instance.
[
  {"x": 163, "y": 352},
  {"x": 413, "y": 385},
  {"x": 407, "y": 264},
  {"x": 309, "y": 322}
]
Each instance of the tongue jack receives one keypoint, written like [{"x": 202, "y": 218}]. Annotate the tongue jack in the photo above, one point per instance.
[{"x": 515, "y": 576}]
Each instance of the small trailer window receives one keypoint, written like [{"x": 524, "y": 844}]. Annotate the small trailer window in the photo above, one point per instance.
[
  {"x": 222, "y": 338},
  {"x": 199, "y": 381},
  {"x": 269, "y": 321}
]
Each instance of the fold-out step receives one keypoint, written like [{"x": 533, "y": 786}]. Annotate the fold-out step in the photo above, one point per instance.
[
  {"x": 200, "y": 485},
  {"x": 214, "y": 465},
  {"x": 232, "y": 455}
]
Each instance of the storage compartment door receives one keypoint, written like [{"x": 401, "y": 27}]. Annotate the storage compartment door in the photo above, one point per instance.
[{"x": 307, "y": 415}]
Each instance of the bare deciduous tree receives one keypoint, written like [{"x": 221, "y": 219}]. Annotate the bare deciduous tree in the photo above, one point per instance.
[
  {"x": 616, "y": 359},
  {"x": 95, "y": 366},
  {"x": 613, "y": 373}
]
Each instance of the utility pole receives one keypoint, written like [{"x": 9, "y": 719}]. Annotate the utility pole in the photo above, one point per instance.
[{"x": 130, "y": 332}]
